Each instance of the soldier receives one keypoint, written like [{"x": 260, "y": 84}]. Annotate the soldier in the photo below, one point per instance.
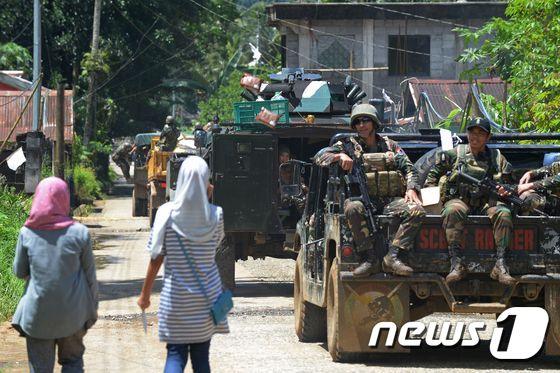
[
  {"x": 548, "y": 179},
  {"x": 477, "y": 160},
  {"x": 409, "y": 209},
  {"x": 169, "y": 134},
  {"x": 122, "y": 157}
]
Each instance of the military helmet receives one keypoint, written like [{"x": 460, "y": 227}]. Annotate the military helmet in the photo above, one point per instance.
[
  {"x": 169, "y": 119},
  {"x": 364, "y": 110}
]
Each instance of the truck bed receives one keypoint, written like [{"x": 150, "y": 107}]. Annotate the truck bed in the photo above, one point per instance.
[{"x": 534, "y": 249}]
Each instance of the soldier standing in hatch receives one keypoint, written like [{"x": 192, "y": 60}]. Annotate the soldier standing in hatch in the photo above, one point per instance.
[
  {"x": 476, "y": 160},
  {"x": 409, "y": 209},
  {"x": 122, "y": 157},
  {"x": 169, "y": 134}
]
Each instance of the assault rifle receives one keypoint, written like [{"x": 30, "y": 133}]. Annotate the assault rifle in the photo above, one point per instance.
[
  {"x": 357, "y": 176},
  {"x": 489, "y": 186}
]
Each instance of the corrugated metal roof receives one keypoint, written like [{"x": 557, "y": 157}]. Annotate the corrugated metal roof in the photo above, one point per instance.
[
  {"x": 12, "y": 103},
  {"x": 443, "y": 92}
]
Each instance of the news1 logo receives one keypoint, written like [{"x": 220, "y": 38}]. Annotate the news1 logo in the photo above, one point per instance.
[{"x": 519, "y": 334}]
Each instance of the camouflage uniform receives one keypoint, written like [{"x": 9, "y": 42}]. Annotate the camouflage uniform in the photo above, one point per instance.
[
  {"x": 122, "y": 158},
  {"x": 548, "y": 180},
  {"x": 168, "y": 137},
  {"x": 410, "y": 214},
  {"x": 460, "y": 199}
]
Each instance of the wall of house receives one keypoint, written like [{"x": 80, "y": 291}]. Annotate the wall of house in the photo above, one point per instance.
[{"x": 364, "y": 43}]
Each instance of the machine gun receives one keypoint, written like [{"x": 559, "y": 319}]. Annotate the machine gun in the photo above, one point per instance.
[
  {"x": 357, "y": 177},
  {"x": 489, "y": 186}
]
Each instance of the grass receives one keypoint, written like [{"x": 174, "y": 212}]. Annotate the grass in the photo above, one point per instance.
[
  {"x": 14, "y": 209},
  {"x": 86, "y": 185}
]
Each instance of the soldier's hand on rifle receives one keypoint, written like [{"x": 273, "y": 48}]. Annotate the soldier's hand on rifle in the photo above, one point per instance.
[
  {"x": 345, "y": 161},
  {"x": 412, "y": 196},
  {"x": 526, "y": 178},
  {"x": 522, "y": 188},
  {"x": 503, "y": 192}
]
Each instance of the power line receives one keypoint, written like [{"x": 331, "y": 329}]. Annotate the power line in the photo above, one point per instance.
[
  {"x": 364, "y": 43},
  {"x": 418, "y": 16},
  {"x": 22, "y": 30}
]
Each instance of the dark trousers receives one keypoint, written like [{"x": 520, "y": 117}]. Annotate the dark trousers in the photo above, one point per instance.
[
  {"x": 178, "y": 355},
  {"x": 41, "y": 353}
]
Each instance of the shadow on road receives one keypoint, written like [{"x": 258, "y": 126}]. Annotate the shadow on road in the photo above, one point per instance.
[
  {"x": 255, "y": 288},
  {"x": 111, "y": 290},
  {"x": 426, "y": 357}
]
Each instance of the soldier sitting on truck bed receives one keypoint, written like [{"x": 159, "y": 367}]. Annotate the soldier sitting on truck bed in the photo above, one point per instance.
[
  {"x": 169, "y": 134},
  {"x": 548, "y": 181},
  {"x": 460, "y": 198},
  {"x": 409, "y": 209}
]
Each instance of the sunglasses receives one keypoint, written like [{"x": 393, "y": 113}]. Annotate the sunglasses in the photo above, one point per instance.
[{"x": 362, "y": 120}]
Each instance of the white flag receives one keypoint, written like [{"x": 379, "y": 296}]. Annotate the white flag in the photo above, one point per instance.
[{"x": 16, "y": 159}]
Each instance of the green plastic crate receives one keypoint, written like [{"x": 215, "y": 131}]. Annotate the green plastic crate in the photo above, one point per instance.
[{"x": 245, "y": 112}]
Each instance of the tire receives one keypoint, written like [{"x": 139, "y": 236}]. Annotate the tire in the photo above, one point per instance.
[
  {"x": 552, "y": 306},
  {"x": 134, "y": 203},
  {"x": 310, "y": 320},
  {"x": 424, "y": 164},
  {"x": 333, "y": 322},
  {"x": 225, "y": 260}
]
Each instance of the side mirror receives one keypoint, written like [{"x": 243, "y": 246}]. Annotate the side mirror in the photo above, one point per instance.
[{"x": 200, "y": 136}]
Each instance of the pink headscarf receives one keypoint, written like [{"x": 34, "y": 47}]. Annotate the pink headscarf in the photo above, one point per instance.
[{"x": 51, "y": 206}]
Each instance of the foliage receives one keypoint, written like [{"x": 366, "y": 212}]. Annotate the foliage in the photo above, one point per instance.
[
  {"x": 15, "y": 57},
  {"x": 86, "y": 186},
  {"x": 522, "y": 50},
  {"x": 221, "y": 102},
  {"x": 14, "y": 209}
]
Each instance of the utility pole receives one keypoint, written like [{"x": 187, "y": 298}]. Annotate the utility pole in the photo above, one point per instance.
[
  {"x": 89, "y": 128},
  {"x": 59, "y": 145},
  {"x": 34, "y": 138}
]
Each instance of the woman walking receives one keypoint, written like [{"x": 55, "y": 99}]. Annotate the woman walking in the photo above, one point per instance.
[
  {"x": 54, "y": 256},
  {"x": 185, "y": 236}
]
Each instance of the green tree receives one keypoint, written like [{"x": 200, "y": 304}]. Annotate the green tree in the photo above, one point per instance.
[
  {"x": 14, "y": 57},
  {"x": 523, "y": 51}
]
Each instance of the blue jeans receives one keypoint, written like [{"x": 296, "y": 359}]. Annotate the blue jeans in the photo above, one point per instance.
[{"x": 178, "y": 355}]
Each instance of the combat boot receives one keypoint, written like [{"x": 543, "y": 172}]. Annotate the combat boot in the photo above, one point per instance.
[
  {"x": 368, "y": 264},
  {"x": 458, "y": 270},
  {"x": 500, "y": 272},
  {"x": 392, "y": 263}
]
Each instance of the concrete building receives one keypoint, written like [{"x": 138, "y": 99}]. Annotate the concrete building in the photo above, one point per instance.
[{"x": 406, "y": 39}]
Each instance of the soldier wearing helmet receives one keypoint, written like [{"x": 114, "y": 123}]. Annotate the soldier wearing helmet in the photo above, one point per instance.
[
  {"x": 365, "y": 122},
  {"x": 169, "y": 134}
]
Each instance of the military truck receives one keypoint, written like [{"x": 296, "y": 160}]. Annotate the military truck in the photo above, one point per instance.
[
  {"x": 142, "y": 143},
  {"x": 155, "y": 175},
  {"x": 243, "y": 157},
  {"x": 331, "y": 304}
]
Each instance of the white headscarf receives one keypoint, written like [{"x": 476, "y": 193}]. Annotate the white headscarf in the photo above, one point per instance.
[{"x": 190, "y": 214}]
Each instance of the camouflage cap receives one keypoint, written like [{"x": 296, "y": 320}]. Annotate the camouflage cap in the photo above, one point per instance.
[
  {"x": 364, "y": 110},
  {"x": 169, "y": 119}
]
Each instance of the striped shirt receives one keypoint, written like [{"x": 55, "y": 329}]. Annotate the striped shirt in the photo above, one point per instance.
[{"x": 184, "y": 312}]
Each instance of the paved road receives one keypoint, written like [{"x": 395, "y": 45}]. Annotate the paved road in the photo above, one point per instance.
[{"x": 261, "y": 339}]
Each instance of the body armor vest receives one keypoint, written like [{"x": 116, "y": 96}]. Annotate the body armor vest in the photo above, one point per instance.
[{"x": 383, "y": 178}]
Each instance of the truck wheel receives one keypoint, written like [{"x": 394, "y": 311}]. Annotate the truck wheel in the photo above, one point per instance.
[
  {"x": 225, "y": 260},
  {"x": 310, "y": 319},
  {"x": 333, "y": 324},
  {"x": 552, "y": 306},
  {"x": 134, "y": 204}
]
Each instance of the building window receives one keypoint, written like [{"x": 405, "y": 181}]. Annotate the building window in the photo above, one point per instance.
[{"x": 409, "y": 55}]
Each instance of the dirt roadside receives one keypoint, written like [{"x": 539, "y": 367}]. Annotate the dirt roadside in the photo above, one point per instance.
[{"x": 261, "y": 324}]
